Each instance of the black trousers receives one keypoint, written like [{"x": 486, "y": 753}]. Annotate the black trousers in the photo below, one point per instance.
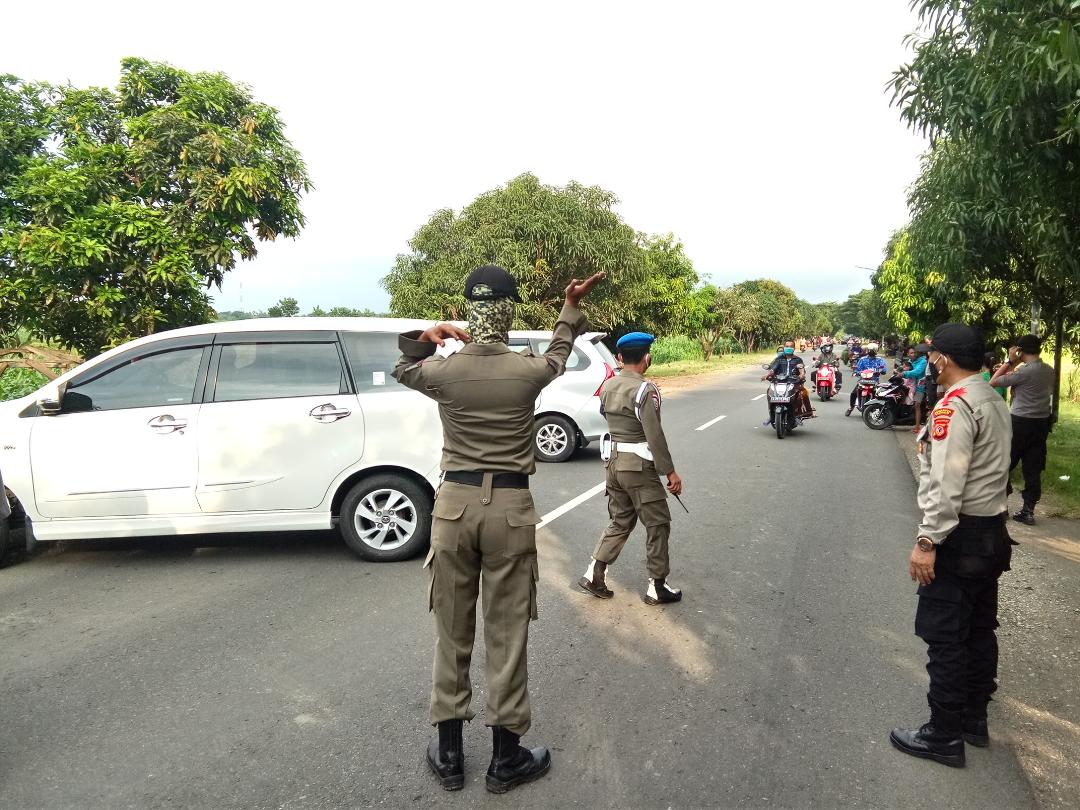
[
  {"x": 1029, "y": 448},
  {"x": 957, "y": 615}
]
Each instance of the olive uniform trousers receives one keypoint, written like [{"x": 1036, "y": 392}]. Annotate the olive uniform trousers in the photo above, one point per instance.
[
  {"x": 635, "y": 494},
  {"x": 483, "y": 536}
]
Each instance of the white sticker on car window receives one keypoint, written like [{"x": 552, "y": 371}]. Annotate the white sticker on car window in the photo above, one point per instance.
[{"x": 378, "y": 378}]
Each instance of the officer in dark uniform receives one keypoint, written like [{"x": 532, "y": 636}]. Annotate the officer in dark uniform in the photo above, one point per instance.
[
  {"x": 484, "y": 521},
  {"x": 962, "y": 549}
]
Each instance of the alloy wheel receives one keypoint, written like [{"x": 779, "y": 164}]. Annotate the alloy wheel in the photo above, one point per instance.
[{"x": 385, "y": 519}]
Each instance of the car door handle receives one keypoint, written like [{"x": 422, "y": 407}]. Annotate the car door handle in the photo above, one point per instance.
[
  {"x": 328, "y": 413},
  {"x": 166, "y": 423}
]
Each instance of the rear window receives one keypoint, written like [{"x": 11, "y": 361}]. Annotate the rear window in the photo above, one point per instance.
[
  {"x": 372, "y": 357},
  {"x": 605, "y": 354},
  {"x": 575, "y": 362}
]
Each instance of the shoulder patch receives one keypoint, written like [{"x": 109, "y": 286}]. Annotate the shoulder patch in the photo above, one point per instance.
[{"x": 941, "y": 417}]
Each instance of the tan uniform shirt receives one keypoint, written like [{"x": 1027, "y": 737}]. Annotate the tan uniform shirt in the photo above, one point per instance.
[
  {"x": 964, "y": 457},
  {"x": 487, "y": 395},
  {"x": 632, "y": 407}
]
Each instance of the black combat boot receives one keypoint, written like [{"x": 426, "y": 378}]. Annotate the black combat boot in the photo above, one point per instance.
[
  {"x": 445, "y": 755},
  {"x": 976, "y": 731},
  {"x": 594, "y": 581},
  {"x": 660, "y": 593},
  {"x": 511, "y": 763},
  {"x": 1025, "y": 516},
  {"x": 940, "y": 740}
]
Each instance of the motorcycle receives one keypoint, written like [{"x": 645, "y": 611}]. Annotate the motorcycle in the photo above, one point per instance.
[
  {"x": 889, "y": 406},
  {"x": 867, "y": 388},
  {"x": 824, "y": 382},
  {"x": 781, "y": 396}
]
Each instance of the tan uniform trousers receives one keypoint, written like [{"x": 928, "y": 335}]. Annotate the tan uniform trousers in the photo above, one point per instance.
[
  {"x": 634, "y": 495},
  {"x": 483, "y": 536}
]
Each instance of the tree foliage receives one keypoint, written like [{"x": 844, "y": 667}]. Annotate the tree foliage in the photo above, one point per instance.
[
  {"x": 918, "y": 299},
  {"x": 118, "y": 209},
  {"x": 996, "y": 87},
  {"x": 545, "y": 236},
  {"x": 285, "y": 308}
]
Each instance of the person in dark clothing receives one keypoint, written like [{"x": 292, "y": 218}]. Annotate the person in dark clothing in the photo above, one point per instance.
[{"x": 1032, "y": 387}]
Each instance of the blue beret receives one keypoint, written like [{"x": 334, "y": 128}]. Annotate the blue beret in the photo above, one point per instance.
[{"x": 635, "y": 340}]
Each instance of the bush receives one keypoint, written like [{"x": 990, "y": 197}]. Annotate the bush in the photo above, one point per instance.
[
  {"x": 18, "y": 382},
  {"x": 675, "y": 348}
]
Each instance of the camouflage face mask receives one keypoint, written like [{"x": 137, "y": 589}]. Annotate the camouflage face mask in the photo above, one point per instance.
[{"x": 490, "y": 321}]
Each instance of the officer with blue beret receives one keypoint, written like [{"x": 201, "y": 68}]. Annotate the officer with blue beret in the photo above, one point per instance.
[{"x": 635, "y": 452}]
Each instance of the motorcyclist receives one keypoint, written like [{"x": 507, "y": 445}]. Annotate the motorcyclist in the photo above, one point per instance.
[
  {"x": 791, "y": 367},
  {"x": 856, "y": 353},
  {"x": 871, "y": 362},
  {"x": 826, "y": 358}
]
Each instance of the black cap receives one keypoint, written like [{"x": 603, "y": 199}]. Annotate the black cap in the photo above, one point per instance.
[
  {"x": 1029, "y": 344},
  {"x": 960, "y": 341},
  {"x": 500, "y": 282}
]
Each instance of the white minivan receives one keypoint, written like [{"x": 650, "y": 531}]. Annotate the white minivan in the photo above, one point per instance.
[{"x": 260, "y": 425}]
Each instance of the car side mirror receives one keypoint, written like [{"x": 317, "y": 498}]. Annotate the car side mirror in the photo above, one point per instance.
[{"x": 49, "y": 407}]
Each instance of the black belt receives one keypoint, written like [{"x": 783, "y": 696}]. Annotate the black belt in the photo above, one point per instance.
[{"x": 499, "y": 480}]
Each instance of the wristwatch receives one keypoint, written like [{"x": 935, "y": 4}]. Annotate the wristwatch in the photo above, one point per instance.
[{"x": 925, "y": 544}]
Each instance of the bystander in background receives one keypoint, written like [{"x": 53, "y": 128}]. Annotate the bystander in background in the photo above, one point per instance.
[{"x": 1032, "y": 383}]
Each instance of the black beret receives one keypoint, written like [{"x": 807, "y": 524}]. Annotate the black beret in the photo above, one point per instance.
[
  {"x": 957, "y": 339},
  {"x": 500, "y": 283}
]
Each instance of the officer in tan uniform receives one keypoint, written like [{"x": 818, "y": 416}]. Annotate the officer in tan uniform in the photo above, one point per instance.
[
  {"x": 962, "y": 549},
  {"x": 484, "y": 523},
  {"x": 636, "y": 455}
]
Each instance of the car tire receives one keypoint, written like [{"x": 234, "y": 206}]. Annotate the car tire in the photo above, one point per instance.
[
  {"x": 378, "y": 537},
  {"x": 5, "y": 539},
  {"x": 554, "y": 439}
]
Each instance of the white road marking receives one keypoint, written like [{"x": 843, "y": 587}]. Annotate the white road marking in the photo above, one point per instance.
[
  {"x": 566, "y": 507},
  {"x": 759, "y": 396},
  {"x": 711, "y": 422}
]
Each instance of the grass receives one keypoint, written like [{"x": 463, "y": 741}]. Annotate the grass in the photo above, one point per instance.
[
  {"x": 18, "y": 382},
  {"x": 1062, "y": 497},
  {"x": 1062, "y": 459},
  {"x": 686, "y": 368}
]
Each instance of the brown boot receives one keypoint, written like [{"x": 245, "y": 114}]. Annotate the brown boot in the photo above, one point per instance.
[{"x": 594, "y": 581}]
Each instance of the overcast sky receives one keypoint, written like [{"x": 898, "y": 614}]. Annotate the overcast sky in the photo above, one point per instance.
[{"x": 759, "y": 133}]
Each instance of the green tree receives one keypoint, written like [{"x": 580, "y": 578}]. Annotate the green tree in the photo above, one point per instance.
[
  {"x": 775, "y": 310},
  {"x": 663, "y": 304},
  {"x": 918, "y": 299},
  {"x": 118, "y": 210},
  {"x": 285, "y": 308},
  {"x": 544, "y": 235},
  {"x": 996, "y": 87}
]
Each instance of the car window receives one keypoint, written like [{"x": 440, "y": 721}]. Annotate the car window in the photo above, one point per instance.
[
  {"x": 147, "y": 381},
  {"x": 275, "y": 370},
  {"x": 372, "y": 357},
  {"x": 576, "y": 360},
  {"x": 605, "y": 354},
  {"x": 519, "y": 346}
]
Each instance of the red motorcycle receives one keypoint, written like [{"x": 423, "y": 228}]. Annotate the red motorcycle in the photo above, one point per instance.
[
  {"x": 825, "y": 382},
  {"x": 867, "y": 388}
]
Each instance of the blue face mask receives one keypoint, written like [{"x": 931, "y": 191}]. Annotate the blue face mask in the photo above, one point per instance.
[{"x": 789, "y": 350}]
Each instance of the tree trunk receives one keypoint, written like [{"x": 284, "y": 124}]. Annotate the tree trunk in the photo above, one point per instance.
[{"x": 1059, "y": 338}]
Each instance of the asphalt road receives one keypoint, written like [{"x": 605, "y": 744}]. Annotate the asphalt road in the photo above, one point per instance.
[{"x": 271, "y": 672}]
